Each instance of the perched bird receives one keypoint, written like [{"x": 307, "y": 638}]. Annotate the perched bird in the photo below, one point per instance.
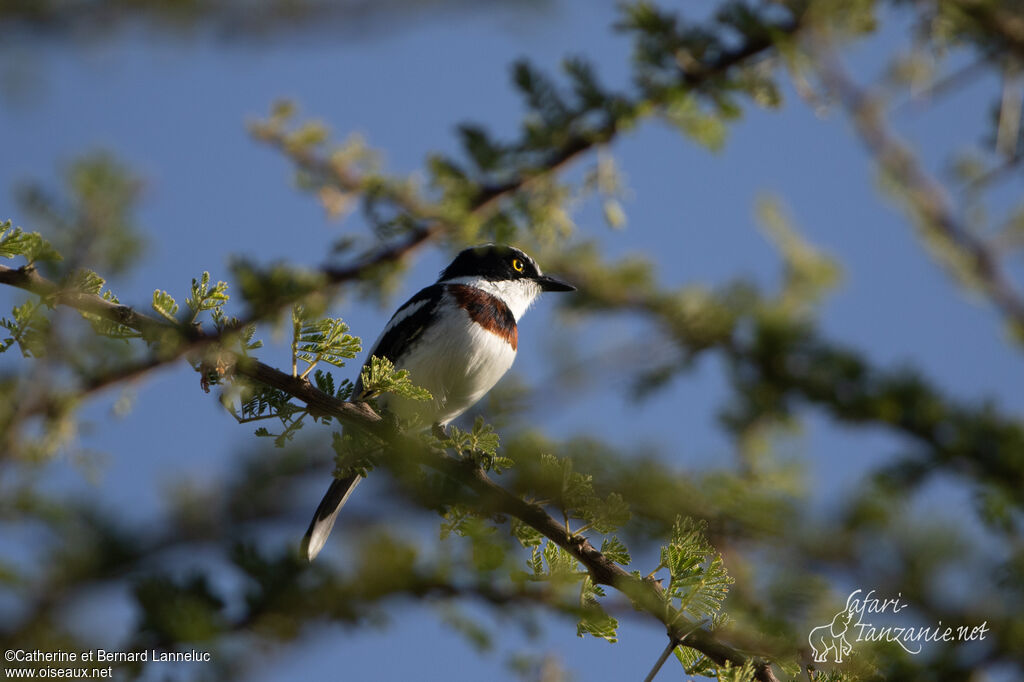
[{"x": 456, "y": 337}]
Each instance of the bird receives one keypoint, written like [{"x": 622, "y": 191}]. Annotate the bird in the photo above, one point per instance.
[{"x": 457, "y": 338}]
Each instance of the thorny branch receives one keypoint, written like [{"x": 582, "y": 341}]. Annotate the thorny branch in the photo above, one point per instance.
[{"x": 646, "y": 595}]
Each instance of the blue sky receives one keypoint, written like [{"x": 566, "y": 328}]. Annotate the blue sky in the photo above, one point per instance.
[{"x": 174, "y": 109}]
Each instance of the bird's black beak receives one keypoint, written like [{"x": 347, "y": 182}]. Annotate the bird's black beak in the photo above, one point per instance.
[{"x": 551, "y": 284}]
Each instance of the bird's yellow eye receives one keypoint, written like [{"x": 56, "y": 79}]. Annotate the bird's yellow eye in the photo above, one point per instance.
[{"x": 517, "y": 265}]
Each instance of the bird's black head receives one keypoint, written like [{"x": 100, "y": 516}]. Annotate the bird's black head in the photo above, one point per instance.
[{"x": 499, "y": 263}]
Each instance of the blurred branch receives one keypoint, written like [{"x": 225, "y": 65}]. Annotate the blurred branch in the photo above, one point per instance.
[
  {"x": 132, "y": 371},
  {"x": 233, "y": 20},
  {"x": 926, "y": 199},
  {"x": 776, "y": 358},
  {"x": 28, "y": 278},
  {"x": 426, "y": 221},
  {"x": 995, "y": 174},
  {"x": 1001, "y": 20},
  {"x": 646, "y": 595},
  {"x": 947, "y": 84},
  {"x": 431, "y": 221},
  {"x": 190, "y": 337},
  {"x": 1008, "y": 132}
]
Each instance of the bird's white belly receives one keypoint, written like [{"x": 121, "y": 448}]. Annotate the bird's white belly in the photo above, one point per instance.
[{"x": 458, "y": 361}]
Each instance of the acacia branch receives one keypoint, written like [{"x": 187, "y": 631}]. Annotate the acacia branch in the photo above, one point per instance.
[
  {"x": 29, "y": 279},
  {"x": 193, "y": 339},
  {"x": 646, "y": 595},
  {"x": 432, "y": 223},
  {"x": 925, "y": 196}
]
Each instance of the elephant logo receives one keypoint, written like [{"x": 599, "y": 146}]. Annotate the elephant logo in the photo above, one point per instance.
[{"x": 832, "y": 637}]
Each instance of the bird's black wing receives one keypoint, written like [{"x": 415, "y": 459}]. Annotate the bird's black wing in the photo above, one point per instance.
[{"x": 406, "y": 326}]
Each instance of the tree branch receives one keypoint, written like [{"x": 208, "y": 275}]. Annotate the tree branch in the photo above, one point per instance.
[
  {"x": 646, "y": 595},
  {"x": 925, "y": 196}
]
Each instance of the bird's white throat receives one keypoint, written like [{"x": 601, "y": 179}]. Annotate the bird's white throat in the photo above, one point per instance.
[{"x": 517, "y": 294}]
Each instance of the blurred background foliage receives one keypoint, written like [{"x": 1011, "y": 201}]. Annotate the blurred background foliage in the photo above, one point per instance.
[{"x": 791, "y": 564}]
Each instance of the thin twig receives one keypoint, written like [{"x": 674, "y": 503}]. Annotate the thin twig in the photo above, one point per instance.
[
  {"x": 312, "y": 365},
  {"x": 673, "y": 642},
  {"x": 993, "y": 175},
  {"x": 945, "y": 84},
  {"x": 1008, "y": 130},
  {"x": 669, "y": 648}
]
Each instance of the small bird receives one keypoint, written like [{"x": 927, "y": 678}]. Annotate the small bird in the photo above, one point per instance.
[{"x": 456, "y": 337}]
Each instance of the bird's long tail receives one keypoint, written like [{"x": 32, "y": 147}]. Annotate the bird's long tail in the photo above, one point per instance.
[{"x": 323, "y": 520}]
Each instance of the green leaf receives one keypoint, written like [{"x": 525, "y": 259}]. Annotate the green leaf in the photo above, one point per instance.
[
  {"x": 266, "y": 288},
  {"x": 595, "y": 620},
  {"x": 246, "y": 339},
  {"x": 267, "y": 401},
  {"x": 694, "y": 662},
  {"x": 698, "y": 580},
  {"x": 324, "y": 340},
  {"x": 354, "y": 452},
  {"x": 175, "y": 609},
  {"x": 380, "y": 376},
  {"x": 598, "y": 623},
  {"x": 536, "y": 562},
  {"x": 31, "y": 245},
  {"x": 560, "y": 564},
  {"x": 85, "y": 281},
  {"x": 606, "y": 515},
  {"x": 466, "y": 625},
  {"x": 551, "y": 562},
  {"x": 262, "y": 402},
  {"x": 454, "y": 518},
  {"x": 613, "y": 548},
  {"x": 541, "y": 94},
  {"x": 613, "y": 214},
  {"x": 324, "y": 381},
  {"x": 730, "y": 673},
  {"x": 487, "y": 554},
  {"x": 241, "y": 340},
  {"x": 526, "y": 535},
  {"x": 165, "y": 304},
  {"x": 704, "y": 128},
  {"x": 201, "y": 297},
  {"x": 584, "y": 82},
  {"x": 29, "y": 328},
  {"x": 483, "y": 438},
  {"x": 485, "y": 154},
  {"x": 479, "y": 445}
]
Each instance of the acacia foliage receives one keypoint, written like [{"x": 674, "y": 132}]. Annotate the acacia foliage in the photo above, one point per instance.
[{"x": 733, "y": 561}]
